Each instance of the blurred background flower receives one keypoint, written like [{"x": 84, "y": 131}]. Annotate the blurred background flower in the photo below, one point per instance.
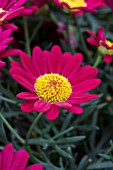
[{"x": 105, "y": 47}]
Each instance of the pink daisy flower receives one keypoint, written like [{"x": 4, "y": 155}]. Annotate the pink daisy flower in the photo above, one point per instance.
[
  {"x": 5, "y": 39},
  {"x": 13, "y": 8},
  {"x": 109, "y": 3},
  {"x": 79, "y": 7},
  {"x": 54, "y": 80},
  {"x": 16, "y": 161},
  {"x": 105, "y": 47}
]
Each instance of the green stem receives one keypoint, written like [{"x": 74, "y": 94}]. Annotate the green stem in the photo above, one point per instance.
[
  {"x": 27, "y": 39},
  {"x": 32, "y": 126},
  {"x": 8, "y": 100},
  {"x": 68, "y": 34},
  {"x": 11, "y": 129},
  {"x": 63, "y": 133},
  {"x": 98, "y": 60}
]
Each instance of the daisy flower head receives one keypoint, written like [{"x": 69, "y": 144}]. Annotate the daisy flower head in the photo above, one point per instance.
[
  {"x": 105, "y": 47},
  {"x": 80, "y": 7},
  {"x": 16, "y": 161},
  {"x": 54, "y": 80},
  {"x": 10, "y": 9}
]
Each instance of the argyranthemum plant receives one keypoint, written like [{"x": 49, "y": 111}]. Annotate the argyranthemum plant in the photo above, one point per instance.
[
  {"x": 79, "y": 7},
  {"x": 105, "y": 47},
  {"x": 16, "y": 161},
  {"x": 54, "y": 80},
  {"x": 10, "y": 9}
]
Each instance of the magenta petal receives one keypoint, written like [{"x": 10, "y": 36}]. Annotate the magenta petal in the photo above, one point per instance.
[
  {"x": 14, "y": 14},
  {"x": 78, "y": 98},
  {"x": 9, "y": 25},
  {"x": 20, "y": 160},
  {"x": 41, "y": 106},
  {"x": 24, "y": 82},
  {"x": 35, "y": 167},
  {"x": 63, "y": 104},
  {"x": 46, "y": 55},
  {"x": 39, "y": 61},
  {"x": 24, "y": 78},
  {"x": 55, "y": 60},
  {"x": 92, "y": 34},
  {"x": 0, "y": 160},
  {"x": 101, "y": 34},
  {"x": 5, "y": 34},
  {"x": 27, "y": 63},
  {"x": 27, "y": 96},
  {"x": 85, "y": 73},
  {"x": 108, "y": 58},
  {"x": 93, "y": 42},
  {"x": 2, "y": 49},
  {"x": 72, "y": 65},
  {"x": 2, "y": 64},
  {"x": 10, "y": 52},
  {"x": 7, "y": 157},
  {"x": 28, "y": 106},
  {"x": 16, "y": 64},
  {"x": 86, "y": 86},
  {"x": 75, "y": 109},
  {"x": 53, "y": 112},
  {"x": 18, "y": 4}
]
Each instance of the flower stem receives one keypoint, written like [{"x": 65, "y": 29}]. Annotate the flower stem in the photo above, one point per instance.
[
  {"x": 11, "y": 129},
  {"x": 8, "y": 100},
  {"x": 27, "y": 39},
  {"x": 98, "y": 60},
  {"x": 68, "y": 34},
  {"x": 32, "y": 126}
]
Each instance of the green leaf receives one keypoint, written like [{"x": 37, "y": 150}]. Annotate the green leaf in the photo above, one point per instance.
[{"x": 100, "y": 166}]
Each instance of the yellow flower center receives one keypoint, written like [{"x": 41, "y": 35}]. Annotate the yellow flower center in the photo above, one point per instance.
[
  {"x": 103, "y": 50},
  {"x": 109, "y": 43},
  {"x": 74, "y": 3},
  {"x": 53, "y": 88}
]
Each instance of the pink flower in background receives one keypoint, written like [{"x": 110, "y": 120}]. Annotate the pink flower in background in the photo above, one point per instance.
[
  {"x": 105, "y": 46},
  {"x": 79, "y": 7},
  {"x": 10, "y": 9},
  {"x": 39, "y": 3},
  {"x": 5, "y": 39},
  {"x": 16, "y": 161},
  {"x": 62, "y": 26},
  {"x": 54, "y": 80},
  {"x": 109, "y": 3}
]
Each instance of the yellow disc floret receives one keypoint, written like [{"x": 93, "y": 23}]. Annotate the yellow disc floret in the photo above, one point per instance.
[
  {"x": 53, "y": 88},
  {"x": 103, "y": 50},
  {"x": 109, "y": 43},
  {"x": 74, "y": 3}
]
